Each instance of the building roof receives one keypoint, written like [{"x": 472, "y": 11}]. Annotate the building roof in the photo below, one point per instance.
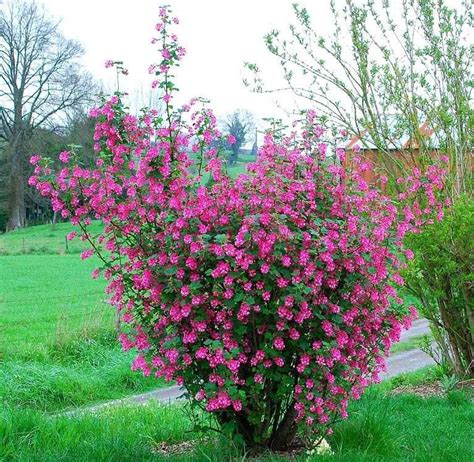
[{"x": 403, "y": 142}]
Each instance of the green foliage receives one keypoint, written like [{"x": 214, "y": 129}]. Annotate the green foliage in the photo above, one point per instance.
[
  {"x": 449, "y": 382},
  {"x": 442, "y": 277}
]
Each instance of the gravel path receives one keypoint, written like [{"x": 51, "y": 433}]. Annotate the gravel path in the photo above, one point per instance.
[{"x": 407, "y": 361}]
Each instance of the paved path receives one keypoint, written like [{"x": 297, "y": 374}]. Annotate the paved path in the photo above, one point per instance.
[
  {"x": 419, "y": 327},
  {"x": 409, "y": 361},
  {"x": 399, "y": 363}
]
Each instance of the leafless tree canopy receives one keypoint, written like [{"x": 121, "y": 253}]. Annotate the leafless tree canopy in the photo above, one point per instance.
[
  {"x": 40, "y": 81},
  {"x": 240, "y": 125}
]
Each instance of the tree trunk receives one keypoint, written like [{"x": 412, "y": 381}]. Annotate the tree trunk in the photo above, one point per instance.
[
  {"x": 16, "y": 187},
  {"x": 468, "y": 298},
  {"x": 450, "y": 328},
  {"x": 286, "y": 431},
  {"x": 234, "y": 155}
]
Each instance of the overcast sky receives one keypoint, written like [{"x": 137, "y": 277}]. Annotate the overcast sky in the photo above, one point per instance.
[{"x": 219, "y": 36}]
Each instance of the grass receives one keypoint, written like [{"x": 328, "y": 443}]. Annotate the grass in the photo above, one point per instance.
[
  {"x": 57, "y": 343},
  {"x": 409, "y": 344},
  {"x": 69, "y": 374},
  {"x": 381, "y": 427},
  {"x": 43, "y": 239},
  {"x": 43, "y": 297}
]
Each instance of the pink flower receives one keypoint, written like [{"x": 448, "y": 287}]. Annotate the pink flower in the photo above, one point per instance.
[
  {"x": 64, "y": 157},
  {"x": 87, "y": 254},
  {"x": 140, "y": 364},
  {"x": 279, "y": 344},
  {"x": 237, "y": 405},
  {"x": 71, "y": 235},
  {"x": 280, "y": 362},
  {"x": 35, "y": 159},
  {"x": 200, "y": 395}
]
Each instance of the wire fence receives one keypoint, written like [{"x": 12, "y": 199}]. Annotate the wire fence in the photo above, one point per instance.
[{"x": 40, "y": 245}]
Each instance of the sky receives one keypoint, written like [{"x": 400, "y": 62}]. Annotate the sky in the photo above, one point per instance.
[{"x": 219, "y": 36}]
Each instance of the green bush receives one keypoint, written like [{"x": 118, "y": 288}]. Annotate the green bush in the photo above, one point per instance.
[{"x": 442, "y": 277}]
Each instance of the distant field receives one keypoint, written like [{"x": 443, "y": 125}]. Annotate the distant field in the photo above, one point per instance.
[
  {"x": 43, "y": 239},
  {"x": 238, "y": 168},
  {"x": 44, "y": 296},
  {"x": 51, "y": 239}
]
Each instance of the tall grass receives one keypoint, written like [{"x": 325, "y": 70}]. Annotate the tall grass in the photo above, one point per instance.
[
  {"x": 380, "y": 427},
  {"x": 78, "y": 372}
]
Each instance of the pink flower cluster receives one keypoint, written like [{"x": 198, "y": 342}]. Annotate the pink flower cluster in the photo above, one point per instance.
[{"x": 276, "y": 285}]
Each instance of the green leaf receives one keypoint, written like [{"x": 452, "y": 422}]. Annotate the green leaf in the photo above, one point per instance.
[{"x": 171, "y": 270}]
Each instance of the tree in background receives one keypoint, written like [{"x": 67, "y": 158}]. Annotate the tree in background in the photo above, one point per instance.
[
  {"x": 240, "y": 125},
  {"x": 80, "y": 134},
  {"x": 77, "y": 135},
  {"x": 389, "y": 69},
  {"x": 40, "y": 81}
]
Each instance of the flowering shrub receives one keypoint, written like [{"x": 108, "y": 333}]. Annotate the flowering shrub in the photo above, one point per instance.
[{"x": 269, "y": 297}]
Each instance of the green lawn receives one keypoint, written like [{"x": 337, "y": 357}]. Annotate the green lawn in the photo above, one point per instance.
[
  {"x": 44, "y": 239},
  {"x": 411, "y": 344},
  {"x": 45, "y": 296},
  {"x": 381, "y": 427},
  {"x": 58, "y": 348}
]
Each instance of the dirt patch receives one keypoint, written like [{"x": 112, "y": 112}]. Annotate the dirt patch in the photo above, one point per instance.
[
  {"x": 189, "y": 447},
  {"x": 433, "y": 389},
  {"x": 182, "y": 447},
  {"x": 467, "y": 386},
  {"x": 425, "y": 390}
]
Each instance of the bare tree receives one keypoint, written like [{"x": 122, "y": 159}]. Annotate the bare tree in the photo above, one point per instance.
[
  {"x": 40, "y": 80},
  {"x": 239, "y": 124},
  {"x": 388, "y": 69}
]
